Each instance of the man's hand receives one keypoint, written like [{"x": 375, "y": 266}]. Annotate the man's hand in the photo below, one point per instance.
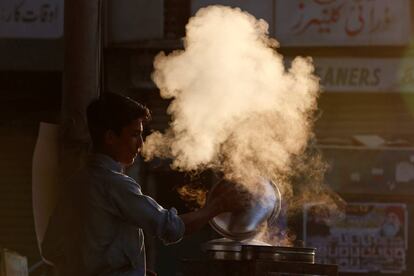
[
  {"x": 225, "y": 197},
  {"x": 228, "y": 197}
]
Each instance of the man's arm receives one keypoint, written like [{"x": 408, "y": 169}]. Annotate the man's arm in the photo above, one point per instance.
[
  {"x": 225, "y": 198},
  {"x": 193, "y": 221},
  {"x": 144, "y": 212}
]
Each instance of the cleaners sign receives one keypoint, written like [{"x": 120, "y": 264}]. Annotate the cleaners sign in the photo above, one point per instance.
[
  {"x": 31, "y": 18},
  {"x": 365, "y": 74}
]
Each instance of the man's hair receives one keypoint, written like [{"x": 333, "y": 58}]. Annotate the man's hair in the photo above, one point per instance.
[{"x": 113, "y": 112}]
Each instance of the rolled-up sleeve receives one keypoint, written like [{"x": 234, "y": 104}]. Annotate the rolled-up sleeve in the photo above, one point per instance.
[{"x": 144, "y": 212}]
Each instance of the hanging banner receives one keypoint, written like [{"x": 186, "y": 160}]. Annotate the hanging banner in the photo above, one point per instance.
[
  {"x": 31, "y": 18},
  {"x": 365, "y": 74},
  {"x": 342, "y": 22},
  {"x": 369, "y": 237}
]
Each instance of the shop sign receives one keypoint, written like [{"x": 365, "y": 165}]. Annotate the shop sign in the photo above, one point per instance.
[
  {"x": 31, "y": 18},
  {"x": 342, "y": 22},
  {"x": 369, "y": 237},
  {"x": 365, "y": 74}
]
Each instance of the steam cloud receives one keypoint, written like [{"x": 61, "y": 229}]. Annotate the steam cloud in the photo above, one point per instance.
[{"x": 235, "y": 107}]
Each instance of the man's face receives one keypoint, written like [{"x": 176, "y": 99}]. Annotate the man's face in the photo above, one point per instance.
[{"x": 126, "y": 146}]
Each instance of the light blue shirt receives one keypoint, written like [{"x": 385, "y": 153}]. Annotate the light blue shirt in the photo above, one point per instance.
[{"x": 106, "y": 214}]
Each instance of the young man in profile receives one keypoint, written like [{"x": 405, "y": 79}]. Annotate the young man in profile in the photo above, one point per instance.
[{"x": 97, "y": 227}]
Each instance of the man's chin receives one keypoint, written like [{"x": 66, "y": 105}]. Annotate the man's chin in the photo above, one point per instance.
[{"x": 129, "y": 162}]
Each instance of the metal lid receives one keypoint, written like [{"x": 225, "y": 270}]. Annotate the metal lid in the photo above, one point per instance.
[{"x": 246, "y": 224}]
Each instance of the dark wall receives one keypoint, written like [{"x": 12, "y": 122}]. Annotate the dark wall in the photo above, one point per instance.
[{"x": 27, "y": 98}]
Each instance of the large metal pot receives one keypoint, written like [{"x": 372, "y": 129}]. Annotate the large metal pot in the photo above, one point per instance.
[
  {"x": 225, "y": 249},
  {"x": 264, "y": 206}
]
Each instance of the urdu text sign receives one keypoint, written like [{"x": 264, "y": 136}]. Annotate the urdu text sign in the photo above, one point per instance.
[
  {"x": 31, "y": 18},
  {"x": 342, "y": 22}
]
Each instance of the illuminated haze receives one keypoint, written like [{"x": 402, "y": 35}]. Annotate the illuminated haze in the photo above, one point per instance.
[{"x": 235, "y": 107}]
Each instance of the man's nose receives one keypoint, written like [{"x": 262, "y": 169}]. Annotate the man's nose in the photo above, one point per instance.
[{"x": 140, "y": 142}]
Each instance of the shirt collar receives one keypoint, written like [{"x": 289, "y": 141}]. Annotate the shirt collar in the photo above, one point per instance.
[{"x": 105, "y": 161}]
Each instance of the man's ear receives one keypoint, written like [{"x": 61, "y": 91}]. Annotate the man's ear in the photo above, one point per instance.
[{"x": 109, "y": 137}]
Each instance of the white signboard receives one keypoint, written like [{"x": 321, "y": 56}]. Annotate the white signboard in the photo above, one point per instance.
[
  {"x": 365, "y": 74},
  {"x": 31, "y": 18},
  {"x": 342, "y": 22}
]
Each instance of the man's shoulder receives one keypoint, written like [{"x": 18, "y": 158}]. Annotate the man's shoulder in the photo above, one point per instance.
[
  {"x": 124, "y": 182},
  {"x": 110, "y": 178}
]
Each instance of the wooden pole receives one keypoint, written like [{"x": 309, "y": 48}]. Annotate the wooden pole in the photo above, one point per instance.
[{"x": 81, "y": 78}]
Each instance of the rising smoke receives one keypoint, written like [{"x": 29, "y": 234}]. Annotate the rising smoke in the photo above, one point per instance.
[{"x": 235, "y": 107}]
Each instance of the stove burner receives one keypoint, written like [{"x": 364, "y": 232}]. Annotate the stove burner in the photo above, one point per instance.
[{"x": 225, "y": 249}]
